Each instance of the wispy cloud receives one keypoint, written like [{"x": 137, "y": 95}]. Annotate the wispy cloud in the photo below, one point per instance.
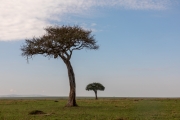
[
  {"x": 12, "y": 90},
  {"x": 20, "y": 19},
  {"x": 144, "y": 4}
]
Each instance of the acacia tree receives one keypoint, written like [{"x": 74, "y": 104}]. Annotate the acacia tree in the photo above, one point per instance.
[
  {"x": 61, "y": 41},
  {"x": 95, "y": 87}
]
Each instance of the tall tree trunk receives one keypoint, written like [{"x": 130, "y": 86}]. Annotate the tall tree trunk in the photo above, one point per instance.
[
  {"x": 72, "y": 94},
  {"x": 95, "y": 91}
]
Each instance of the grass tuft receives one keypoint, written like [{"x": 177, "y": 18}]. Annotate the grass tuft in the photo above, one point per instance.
[{"x": 36, "y": 112}]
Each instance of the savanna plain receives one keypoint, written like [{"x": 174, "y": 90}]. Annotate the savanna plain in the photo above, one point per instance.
[{"x": 90, "y": 109}]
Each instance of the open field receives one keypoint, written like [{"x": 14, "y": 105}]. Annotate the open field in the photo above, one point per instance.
[{"x": 90, "y": 109}]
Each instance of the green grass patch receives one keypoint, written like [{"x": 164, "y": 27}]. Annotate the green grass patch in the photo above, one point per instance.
[{"x": 90, "y": 109}]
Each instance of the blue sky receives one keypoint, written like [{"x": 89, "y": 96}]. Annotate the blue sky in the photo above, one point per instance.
[{"x": 138, "y": 56}]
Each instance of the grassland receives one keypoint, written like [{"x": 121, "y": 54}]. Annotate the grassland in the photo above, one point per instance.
[{"x": 90, "y": 109}]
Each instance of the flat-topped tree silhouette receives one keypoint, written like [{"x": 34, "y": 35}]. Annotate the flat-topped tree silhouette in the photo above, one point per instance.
[
  {"x": 95, "y": 87},
  {"x": 61, "y": 41}
]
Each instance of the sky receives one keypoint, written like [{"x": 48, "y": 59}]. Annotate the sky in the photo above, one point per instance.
[{"x": 138, "y": 56}]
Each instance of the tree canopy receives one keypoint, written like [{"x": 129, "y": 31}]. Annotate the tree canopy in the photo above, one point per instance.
[
  {"x": 61, "y": 41},
  {"x": 95, "y": 86}
]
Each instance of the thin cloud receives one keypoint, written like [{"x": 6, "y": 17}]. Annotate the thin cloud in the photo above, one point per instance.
[
  {"x": 12, "y": 90},
  {"x": 144, "y": 4},
  {"x": 20, "y": 19}
]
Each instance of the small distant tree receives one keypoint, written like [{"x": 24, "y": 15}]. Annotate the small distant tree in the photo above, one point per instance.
[
  {"x": 60, "y": 42},
  {"x": 95, "y": 87}
]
